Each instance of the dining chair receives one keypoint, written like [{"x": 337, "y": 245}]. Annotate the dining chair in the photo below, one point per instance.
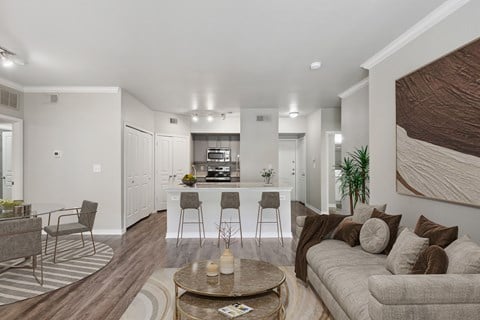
[{"x": 86, "y": 218}]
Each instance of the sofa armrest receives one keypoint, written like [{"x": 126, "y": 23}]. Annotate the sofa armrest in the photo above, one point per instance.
[{"x": 425, "y": 289}]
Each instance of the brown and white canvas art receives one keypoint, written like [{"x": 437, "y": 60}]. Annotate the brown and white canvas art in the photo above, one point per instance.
[{"x": 438, "y": 129}]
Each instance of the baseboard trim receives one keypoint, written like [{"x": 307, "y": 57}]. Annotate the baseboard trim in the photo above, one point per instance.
[
  {"x": 107, "y": 232},
  {"x": 214, "y": 235}
]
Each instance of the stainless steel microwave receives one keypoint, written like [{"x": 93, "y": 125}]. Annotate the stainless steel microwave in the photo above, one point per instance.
[{"x": 218, "y": 154}]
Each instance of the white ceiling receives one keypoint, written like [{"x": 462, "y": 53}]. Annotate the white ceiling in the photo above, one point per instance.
[{"x": 222, "y": 54}]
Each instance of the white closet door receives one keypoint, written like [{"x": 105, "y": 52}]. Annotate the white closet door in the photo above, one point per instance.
[
  {"x": 163, "y": 170},
  {"x": 180, "y": 158},
  {"x": 139, "y": 175}
]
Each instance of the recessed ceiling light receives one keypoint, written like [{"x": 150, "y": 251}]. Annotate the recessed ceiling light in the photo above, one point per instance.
[
  {"x": 293, "y": 114},
  {"x": 195, "y": 118},
  {"x": 315, "y": 65},
  {"x": 210, "y": 118}
]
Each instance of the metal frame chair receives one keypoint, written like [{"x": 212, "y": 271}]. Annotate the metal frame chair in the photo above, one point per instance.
[
  {"x": 86, "y": 218},
  {"x": 270, "y": 200},
  {"x": 22, "y": 238},
  {"x": 190, "y": 200},
  {"x": 230, "y": 200}
]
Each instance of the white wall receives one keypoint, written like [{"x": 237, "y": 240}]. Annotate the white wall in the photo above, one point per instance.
[
  {"x": 330, "y": 122},
  {"x": 86, "y": 128},
  {"x": 295, "y": 125},
  {"x": 163, "y": 125},
  {"x": 355, "y": 121},
  {"x": 258, "y": 143},
  {"x": 136, "y": 114},
  {"x": 455, "y": 31},
  {"x": 313, "y": 138}
]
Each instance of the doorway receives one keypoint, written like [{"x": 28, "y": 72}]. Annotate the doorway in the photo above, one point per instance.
[
  {"x": 334, "y": 160},
  {"x": 11, "y": 158},
  {"x": 287, "y": 165}
]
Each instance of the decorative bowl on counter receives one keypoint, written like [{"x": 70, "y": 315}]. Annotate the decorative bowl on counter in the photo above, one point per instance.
[{"x": 189, "y": 180}]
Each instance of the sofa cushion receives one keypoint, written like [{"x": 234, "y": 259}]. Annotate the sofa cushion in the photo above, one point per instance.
[
  {"x": 349, "y": 232},
  {"x": 437, "y": 234},
  {"x": 349, "y": 286},
  {"x": 463, "y": 256},
  {"x": 334, "y": 253},
  {"x": 405, "y": 252},
  {"x": 362, "y": 211},
  {"x": 393, "y": 221},
  {"x": 433, "y": 260},
  {"x": 375, "y": 235}
]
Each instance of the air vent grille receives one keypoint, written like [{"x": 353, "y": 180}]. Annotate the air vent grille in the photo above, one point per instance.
[
  {"x": 173, "y": 120},
  {"x": 8, "y": 98},
  {"x": 260, "y": 118}
]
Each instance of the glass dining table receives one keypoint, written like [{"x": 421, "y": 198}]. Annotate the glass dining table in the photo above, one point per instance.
[{"x": 35, "y": 210}]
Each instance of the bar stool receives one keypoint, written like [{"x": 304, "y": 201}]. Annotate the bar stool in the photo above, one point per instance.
[
  {"x": 190, "y": 200},
  {"x": 270, "y": 200},
  {"x": 230, "y": 200}
]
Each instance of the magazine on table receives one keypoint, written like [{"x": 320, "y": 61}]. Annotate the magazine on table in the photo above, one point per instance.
[{"x": 235, "y": 310}]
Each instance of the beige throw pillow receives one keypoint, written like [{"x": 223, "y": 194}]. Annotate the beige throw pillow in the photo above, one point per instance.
[
  {"x": 375, "y": 235},
  {"x": 362, "y": 211},
  {"x": 463, "y": 256},
  {"x": 405, "y": 252}
]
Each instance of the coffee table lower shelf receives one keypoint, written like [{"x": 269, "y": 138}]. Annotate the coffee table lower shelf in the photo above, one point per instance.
[{"x": 265, "y": 306}]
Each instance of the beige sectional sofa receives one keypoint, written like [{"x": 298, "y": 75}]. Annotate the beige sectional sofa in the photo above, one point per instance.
[{"x": 356, "y": 285}]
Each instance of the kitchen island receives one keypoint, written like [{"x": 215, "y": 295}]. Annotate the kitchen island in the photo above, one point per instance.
[{"x": 210, "y": 195}]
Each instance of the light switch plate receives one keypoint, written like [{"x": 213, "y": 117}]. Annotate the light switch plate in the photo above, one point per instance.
[{"x": 97, "y": 168}]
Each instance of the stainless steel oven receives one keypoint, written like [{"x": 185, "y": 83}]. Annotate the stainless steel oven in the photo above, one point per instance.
[
  {"x": 218, "y": 154},
  {"x": 219, "y": 173}
]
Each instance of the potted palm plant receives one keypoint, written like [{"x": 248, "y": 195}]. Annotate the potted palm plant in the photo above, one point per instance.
[{"x": 354, "y": 177}]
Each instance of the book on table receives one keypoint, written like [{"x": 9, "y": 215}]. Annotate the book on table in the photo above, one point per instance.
[{"x": 235, "y": 310}]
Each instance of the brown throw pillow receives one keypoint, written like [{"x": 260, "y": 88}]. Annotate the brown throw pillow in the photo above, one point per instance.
[
  {"x": 433, "y": 260},
  {"x": 437, "y": 234},
  {"x": 349, "y": 232},
  {"x": 393, "y": 221}
]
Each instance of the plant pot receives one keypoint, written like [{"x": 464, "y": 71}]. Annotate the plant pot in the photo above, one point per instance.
[
  {"x": 268, "y": 180},
  {"x": 227, "y": 262}
]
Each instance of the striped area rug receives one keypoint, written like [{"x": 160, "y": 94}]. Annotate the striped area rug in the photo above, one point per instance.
[
  {"x": 155, "y": 301},
  {"x": 17, "y": 284}
]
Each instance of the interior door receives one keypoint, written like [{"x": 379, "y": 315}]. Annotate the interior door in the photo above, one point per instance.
[
  {"x": 139, "y": 174},
  {"x": 163, "y": 170},
  {"x": 287, "y": 150},
  {"x": 180, "y": 158},
  {"x": 301, "y": 170},
  {"x": 7, "y": 171}
]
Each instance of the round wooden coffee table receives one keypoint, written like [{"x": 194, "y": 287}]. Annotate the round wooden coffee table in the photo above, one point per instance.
[{"x": 254, "y": 283}]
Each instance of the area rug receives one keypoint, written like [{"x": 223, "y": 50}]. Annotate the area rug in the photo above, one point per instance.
[
  {"x": 17, "y": 284},
  {"x": 155, "y": 301}
]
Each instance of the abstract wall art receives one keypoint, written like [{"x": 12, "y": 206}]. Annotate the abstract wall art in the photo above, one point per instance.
[{"x": 438, "y": 129}]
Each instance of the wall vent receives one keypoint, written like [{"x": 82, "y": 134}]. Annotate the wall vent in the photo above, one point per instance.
[
  {"x": 173, "y": 120},
  {"x": 260, "y": 118},
  {"x": 8, "y": 98}
]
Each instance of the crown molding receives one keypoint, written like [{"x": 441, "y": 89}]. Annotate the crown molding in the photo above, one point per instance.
[
  {"x": 359, "y": 85},
  {"x": 71, "y": 89},
  {"x": 11, "y": 84},
  {"x": 433, "y": 18}
]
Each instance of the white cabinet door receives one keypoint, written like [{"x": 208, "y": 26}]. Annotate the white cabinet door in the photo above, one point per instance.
[
  {"x": 138, "y": 175},
  {"x": 7, "y": 170},
  {"x": 172, "y": 162},
  {"x": 180, "y": 158},
  {"x": 163, "y": 170}
]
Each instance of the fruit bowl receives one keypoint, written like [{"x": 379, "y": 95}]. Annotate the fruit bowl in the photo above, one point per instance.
[{"x": 189, "y": 180}]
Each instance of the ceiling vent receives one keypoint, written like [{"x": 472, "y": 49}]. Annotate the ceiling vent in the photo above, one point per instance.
[
  {"x": 173, "y": 120},
  {"x": 8, "y": 98}
]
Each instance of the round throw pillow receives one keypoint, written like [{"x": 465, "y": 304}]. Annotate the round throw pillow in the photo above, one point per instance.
[{"x": 375, "y": 235}]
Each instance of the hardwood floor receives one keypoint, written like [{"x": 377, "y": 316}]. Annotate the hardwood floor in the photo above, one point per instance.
[{"x": 107, "y": 293}]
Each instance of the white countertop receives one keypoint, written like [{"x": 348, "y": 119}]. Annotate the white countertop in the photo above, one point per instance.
[{"x": 216, "y": 186}]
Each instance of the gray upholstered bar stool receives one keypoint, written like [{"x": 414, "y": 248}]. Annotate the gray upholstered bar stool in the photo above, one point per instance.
[
  {"x": 270, "y": 200},
  {"x": 190, "y": 200},
  {"x": 230, "y": 200}
]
